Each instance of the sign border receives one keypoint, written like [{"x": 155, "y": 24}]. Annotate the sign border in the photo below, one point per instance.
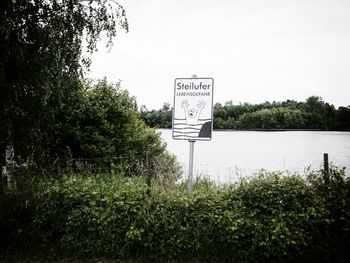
[{"x": 212, "y": 112}]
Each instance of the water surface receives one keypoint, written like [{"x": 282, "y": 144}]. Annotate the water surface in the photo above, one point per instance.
[{"x": 231, "y": 154}]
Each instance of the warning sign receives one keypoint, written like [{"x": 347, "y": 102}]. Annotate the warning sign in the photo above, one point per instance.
[{"x": 193, "y": 109}]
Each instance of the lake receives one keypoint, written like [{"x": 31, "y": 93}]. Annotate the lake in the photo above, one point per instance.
[{"x": 233, "y": 154}]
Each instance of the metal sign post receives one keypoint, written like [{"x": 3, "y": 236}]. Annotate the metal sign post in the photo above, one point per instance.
[
  {"x": 190, "y": 166},
  {"x": 193, "y": 113}
]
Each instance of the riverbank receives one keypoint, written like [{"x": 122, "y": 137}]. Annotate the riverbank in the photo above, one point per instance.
[{"x": 267, "y": 218}]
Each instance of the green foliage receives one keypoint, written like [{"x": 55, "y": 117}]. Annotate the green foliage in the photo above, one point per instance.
[
  {"x": 106, "y": 124},
  {"x": 342, "y": 118},
  {"x": 268, "y": 218},
  {"x": 41, "y": 63},
  {"x": 312, "y": 114},
  {"x": 275, "y": 217},
  {"x": 100, "y": 127},
  {"x": 275, "y": 118},
  {"x": 93, "y": 215},
  {"x": 333, "y": 189},
  {"x": 157, "y": 118}
]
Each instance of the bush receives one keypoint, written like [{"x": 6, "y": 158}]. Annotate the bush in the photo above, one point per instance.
[
  {"x": 333, "y": 190},
  {"x": 272, "y": 217},
  {"x": 268, "y": 218}
]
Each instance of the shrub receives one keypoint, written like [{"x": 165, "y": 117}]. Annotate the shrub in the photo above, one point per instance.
[
  {"x": 333, "y": 236},
  {"x": 268, "y": 218}
]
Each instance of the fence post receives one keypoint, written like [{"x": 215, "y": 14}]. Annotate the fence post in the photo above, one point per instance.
[
  {"x": 3, "y": 174},
  {"x": 326, "y": 169},
  {"x": 326, "y": 182},
  {"x": 10, "y": 165}
]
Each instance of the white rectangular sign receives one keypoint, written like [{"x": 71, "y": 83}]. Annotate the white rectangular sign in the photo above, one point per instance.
[{"x": 193, "y": 109}]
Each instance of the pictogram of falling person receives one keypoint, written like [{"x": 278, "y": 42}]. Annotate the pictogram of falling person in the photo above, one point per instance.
[{"x": 191, "y": 113}]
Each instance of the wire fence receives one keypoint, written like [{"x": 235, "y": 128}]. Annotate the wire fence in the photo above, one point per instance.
[{"x": 143, "y": 164}]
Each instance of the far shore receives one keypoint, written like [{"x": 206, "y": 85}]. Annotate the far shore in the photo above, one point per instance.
[{"x": 266, "y": 130}]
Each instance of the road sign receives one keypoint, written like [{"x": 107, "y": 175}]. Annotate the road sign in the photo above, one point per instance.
[{"x": 193, "y": 109}]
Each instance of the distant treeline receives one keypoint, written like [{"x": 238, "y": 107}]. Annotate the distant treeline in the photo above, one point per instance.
[{"x": 314, "y": 113}]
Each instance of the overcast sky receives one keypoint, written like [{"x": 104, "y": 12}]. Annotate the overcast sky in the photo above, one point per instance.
[{"x": 256, "y": 50}]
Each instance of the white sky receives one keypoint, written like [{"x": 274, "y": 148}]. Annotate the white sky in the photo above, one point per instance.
[{"x": 256, "y": 50}]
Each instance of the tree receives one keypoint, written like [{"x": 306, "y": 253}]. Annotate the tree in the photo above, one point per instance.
[
  {"x": 316, "y": 107},
  {"x": 343, "y": 118},
  {"x": 106, "y": 128},
  {"x": 158, "y": 118},
  {"x": 219, "y": 111},
  {"x": 108, "y": 125},
  {"x": 41, "y": 61},
  {"x": 289, "y": 114}
]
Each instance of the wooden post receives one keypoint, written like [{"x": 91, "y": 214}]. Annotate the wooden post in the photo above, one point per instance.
[
  {"x": 10, "y": 165},
  {"x": 326, "y": 182},
  {"x": 326, "y": 168},
  {"x": 3, "y": 174}
]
